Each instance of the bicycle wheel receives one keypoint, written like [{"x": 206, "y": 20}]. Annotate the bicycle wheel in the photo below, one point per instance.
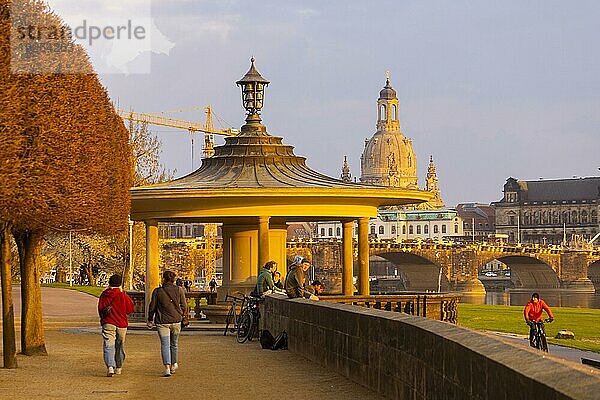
[
  {"x": 229, "y": 319},
  {"x": 245, "y": 326},
  {"x": 543, "y": 341},
  {"x": 254, "y": 329}
]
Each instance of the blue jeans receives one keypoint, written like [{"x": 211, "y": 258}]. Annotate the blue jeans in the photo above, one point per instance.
[
  {"x": 169, "y": 337},
  {"x": 113, "y": 347}
]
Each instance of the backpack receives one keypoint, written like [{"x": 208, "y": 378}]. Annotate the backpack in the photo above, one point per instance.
[
  {"x": 266, "y": 339},
  {"x": 105, "y": 312},
  {"x": 280, "y": 342}
]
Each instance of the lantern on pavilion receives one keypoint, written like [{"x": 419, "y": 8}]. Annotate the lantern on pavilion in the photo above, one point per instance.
[{"x": 253, "y": 90}]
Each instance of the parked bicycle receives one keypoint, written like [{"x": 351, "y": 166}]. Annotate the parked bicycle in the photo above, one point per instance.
[
  {"x": 539, "y": 335},
  {"x": 248, "y": 323},
  {"x": 233, "y": 317}
]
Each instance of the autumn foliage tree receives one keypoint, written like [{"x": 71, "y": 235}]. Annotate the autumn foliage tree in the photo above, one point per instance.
[{"x": 65, "y": 154}]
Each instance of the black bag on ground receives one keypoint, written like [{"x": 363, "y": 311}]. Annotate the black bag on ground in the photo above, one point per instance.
[
  {"x": 280, "y": 342},
  {"x": 266, "y": 339}
]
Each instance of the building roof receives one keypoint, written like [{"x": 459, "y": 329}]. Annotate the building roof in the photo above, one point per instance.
[
  {"x": 563, "y": 189},
  {"x": 255, "y": 173}
]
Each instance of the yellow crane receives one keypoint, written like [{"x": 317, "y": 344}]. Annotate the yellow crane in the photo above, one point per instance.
[{"x": 191, "y": 126}]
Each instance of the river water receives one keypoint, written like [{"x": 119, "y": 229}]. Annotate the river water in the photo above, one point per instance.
[{"x": 552, "y": 297}]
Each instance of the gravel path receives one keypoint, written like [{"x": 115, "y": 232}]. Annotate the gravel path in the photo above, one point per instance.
[{"x": 211, "y": 366}]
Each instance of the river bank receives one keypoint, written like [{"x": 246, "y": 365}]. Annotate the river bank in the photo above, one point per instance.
[{"x": 509, "y": 319}]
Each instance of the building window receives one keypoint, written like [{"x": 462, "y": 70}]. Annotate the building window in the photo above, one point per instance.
[
  {"x": 426, "y": 229},
  {"x": 394, "y": 112},
  {"x": 322, "y": 232},
  {"x": 444, "y": 228},
  {"x": 418, "y": 229},
  {"x": 338, "y": 231},
  {"x": 372, "y": 229},
  {"x": 435, "y": 229},
  {"x": 382, "y": 112},
  {"x": 393, "y": 229},
  {"x": 511, "y": 220},
  {"x": 404, "y": 229},
  {"x": 381, "y": 230},
  {"x": 330, "y": 231},
  {"x": 410, "y": 229},
  {"x": 455, "y": 228}
]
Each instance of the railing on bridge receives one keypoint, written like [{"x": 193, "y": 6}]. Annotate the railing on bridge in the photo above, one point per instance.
[
  {"x": 196, "y": 301},
  {"x": 435, "y": 306}
]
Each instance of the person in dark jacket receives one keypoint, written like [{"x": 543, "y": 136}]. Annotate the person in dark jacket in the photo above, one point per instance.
[
  {"x": 167, "y": 308},
  {"x": 114, "y": 324},
  {"x": 295, "y": 279}
]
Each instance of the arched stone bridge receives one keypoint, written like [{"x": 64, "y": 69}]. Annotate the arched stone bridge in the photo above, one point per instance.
[{"x": 532, "y": 266}]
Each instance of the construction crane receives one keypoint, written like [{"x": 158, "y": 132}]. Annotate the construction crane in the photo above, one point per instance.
[
  {"x": 210, "y": 230},
  {"x": 192, "y": 127}
]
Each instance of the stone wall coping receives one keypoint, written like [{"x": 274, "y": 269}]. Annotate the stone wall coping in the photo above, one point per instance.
[{"x": 564, "y": 376}]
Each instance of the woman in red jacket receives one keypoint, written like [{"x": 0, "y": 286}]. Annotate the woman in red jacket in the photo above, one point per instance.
[
  {"x": 113, "y": 307},
  {"x": 533, "y": 312}
]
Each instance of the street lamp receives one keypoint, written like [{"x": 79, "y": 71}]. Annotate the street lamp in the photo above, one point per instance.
[
  {"x": 70, "y": 258},
  {"x": 129, "y": 277},
  {"x": 253, "y": 90}
]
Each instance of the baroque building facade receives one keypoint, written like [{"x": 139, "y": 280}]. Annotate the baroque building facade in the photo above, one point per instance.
[
  {"x": 549, "y": 211},
  {"x": 388, "y": 158}
]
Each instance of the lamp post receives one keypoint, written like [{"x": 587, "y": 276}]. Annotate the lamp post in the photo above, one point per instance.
[
  {"x": 129, "y": 277},
  {"x": 70, "y": 258},
  {"x": 253, "y": 91}
]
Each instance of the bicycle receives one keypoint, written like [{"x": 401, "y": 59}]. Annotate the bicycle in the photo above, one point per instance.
[
  {"x": 232, "y": 315},
  {"x": 250, "y": 314},
  {"x": 539, "y": 335}
]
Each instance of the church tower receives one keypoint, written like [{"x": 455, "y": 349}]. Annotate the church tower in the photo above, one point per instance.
[
  {"x": 388, "y": 158},
  {"x": 346, "y": 176},
  {"x": 431, "y": 185}
]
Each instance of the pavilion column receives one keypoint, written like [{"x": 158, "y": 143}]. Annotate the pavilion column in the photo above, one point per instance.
[
  {"x": 363, "y": 256},
  {"x": 263, "y": 241},
  {"x": 152, "y": 257},
  {"x": 348, "y": 259}
]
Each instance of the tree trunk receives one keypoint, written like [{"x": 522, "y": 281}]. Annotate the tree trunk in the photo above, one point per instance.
[
  {"x": 9, "y": 346},
  {"x": 29, "y": 244}
]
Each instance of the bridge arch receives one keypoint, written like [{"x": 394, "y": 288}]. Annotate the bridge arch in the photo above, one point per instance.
[
  {"x": 594, "y": 274},
  {"x": 418, "y": 272},
  {"x": 527, "y": 272}
]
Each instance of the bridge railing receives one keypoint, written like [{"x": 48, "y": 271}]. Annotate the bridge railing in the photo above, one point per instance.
[
  {"x": 195, "y": 300},
  {"x": 442, "y": 307}
]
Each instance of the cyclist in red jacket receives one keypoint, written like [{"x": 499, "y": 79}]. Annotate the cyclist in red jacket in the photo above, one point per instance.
[{"x": 533, "y": 312}]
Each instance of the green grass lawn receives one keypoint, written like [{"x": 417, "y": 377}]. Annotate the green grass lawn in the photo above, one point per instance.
[
  {"x": 584, "y": 322},
  {"x": 93, "y": 290}
]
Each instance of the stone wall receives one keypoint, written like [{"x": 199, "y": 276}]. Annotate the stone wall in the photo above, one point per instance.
[{"x": 407, "y": 357}]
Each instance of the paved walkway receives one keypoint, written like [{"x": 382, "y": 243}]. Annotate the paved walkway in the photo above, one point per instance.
[{"x": 211, "y": 366}]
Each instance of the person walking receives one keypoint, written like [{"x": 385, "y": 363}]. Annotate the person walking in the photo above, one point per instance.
[
  {"x": 167, "y": 308},
  {"x": 114, "y": 306},
  {"x": 212, "y": 284}
]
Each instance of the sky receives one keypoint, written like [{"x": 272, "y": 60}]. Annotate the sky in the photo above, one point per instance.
[{"x": 490, "y": 89}]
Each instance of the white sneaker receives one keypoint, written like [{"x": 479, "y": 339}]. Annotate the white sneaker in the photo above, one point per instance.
[
  {"x": 110, "y": 372},
  {"x": 167, "y": 372},
  {"x": 174, "y": 367},
  {"x": 118, "y": 371}
]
